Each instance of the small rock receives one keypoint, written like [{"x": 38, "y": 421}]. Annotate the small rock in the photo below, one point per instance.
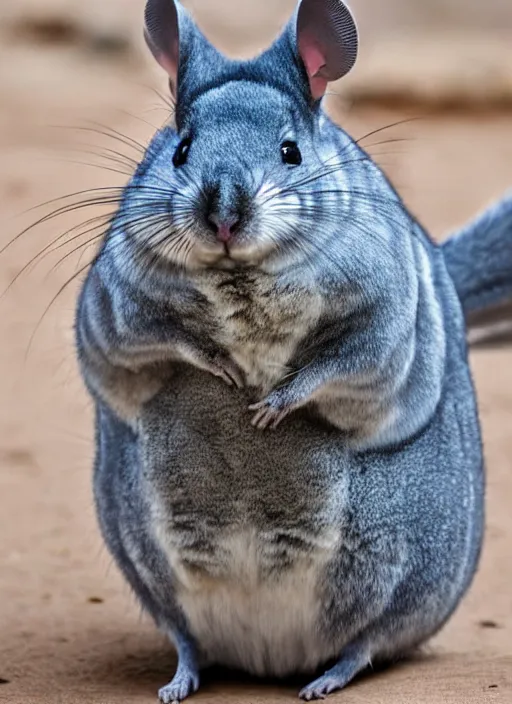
[
  {"x": 489, "y": 624},
  {"x": 95, "y": 600},
  {"x": 46, "y": 30}
]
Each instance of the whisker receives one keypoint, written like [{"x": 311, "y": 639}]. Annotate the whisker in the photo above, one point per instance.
[
  {"x": 321, "y": 173},
  {"x": 386, "y": 127},
  {"x": 83, "y": 248},
  {"x": 106, "y": 153},
  {"x": 69, "y": 195},
  {"x": 389, "y": 141},
  {"x": 139, "y": 119},
  {"x": 102, "y": 167},
  {"x": 113, "y": 228},
  {"x": 51, "y": 216},
  {"x": 166, "y": 99},
  {"x": 106, "y": 196},
  {"x": 49, "y": 249},
  {"x": 111, "y": 133},
  {"x": 51, "y": 303}
]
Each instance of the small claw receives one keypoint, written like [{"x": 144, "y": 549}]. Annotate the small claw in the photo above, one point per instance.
[
  {"x": 320, "y": 688},
  {"x": 229, "y": 372},
  {"x": 234, "y": 374},
  {"x": 262, "y": 417},
  {"x": 237, "y": 377},
  {"x": 259, "y": 416},
  {"x": 279, "y": 418},
  {"x": 182, "y": 686},
  {"x": 221, "y": 374},
  {"x": 309, "y": 695}
]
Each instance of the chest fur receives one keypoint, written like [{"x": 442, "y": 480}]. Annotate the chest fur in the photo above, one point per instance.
[{"x": 261, "y": 321}]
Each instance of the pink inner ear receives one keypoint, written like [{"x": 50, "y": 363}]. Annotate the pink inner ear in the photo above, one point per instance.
[
  {"x": 312, "y": 57},
  {"x": 169, "y": 62},
  {"x": 314, "y": 61},
  {"x": 169, "y": 65}
]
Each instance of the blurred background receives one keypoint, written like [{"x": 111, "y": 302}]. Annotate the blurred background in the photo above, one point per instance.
[{"x": 79, "y": 99}]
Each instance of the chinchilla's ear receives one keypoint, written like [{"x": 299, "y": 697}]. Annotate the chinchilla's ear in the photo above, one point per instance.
[
  {"x": 326, "y": 41},
  {"x": 162, "y": 35},
  {"x": 176, "y": 42}
]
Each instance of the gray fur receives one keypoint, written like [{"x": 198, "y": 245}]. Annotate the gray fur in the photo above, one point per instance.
[
  {"x": 479, "y": 259},
  {"x": 349, "y": 533}
]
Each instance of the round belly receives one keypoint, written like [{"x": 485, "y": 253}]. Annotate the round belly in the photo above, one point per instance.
[{"x": 265, "y": 624}]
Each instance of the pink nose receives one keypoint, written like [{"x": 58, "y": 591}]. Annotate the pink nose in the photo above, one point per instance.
[{"x": 224, "y": 228}]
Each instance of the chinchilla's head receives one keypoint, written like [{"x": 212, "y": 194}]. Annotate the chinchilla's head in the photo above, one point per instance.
[{"x": 238, "y": 180}]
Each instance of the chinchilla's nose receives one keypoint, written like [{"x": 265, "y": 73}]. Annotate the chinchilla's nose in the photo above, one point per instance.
[
  {"x": 226, "y": 207},
  {"x": 225, "y": 228}
]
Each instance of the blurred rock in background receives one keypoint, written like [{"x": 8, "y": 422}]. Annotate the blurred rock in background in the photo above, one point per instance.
[
  {"x": 103, "y": 25},
  {"x": 442, "y": 53}
]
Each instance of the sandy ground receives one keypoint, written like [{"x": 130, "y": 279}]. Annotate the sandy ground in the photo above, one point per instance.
[{"x": 69, "y": 629}]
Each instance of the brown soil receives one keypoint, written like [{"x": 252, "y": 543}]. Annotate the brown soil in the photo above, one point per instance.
[{"x": 70, "y": 630}]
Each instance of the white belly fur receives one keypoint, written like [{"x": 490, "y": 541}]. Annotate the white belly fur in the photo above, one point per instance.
[{"x": 264, "y": 626}]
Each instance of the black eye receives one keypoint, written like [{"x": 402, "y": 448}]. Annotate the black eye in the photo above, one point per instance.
[
  {"x": 290, "y": 154},
  {"x": 181, "y": 153}
]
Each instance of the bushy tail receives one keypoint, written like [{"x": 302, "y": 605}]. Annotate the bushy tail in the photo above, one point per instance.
[{"x": 479, "y": 259}]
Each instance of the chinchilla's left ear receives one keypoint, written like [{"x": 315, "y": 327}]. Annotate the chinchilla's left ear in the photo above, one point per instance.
[
  {"x": 326, "y": 41},
  {"x": 179, "y": 47}
]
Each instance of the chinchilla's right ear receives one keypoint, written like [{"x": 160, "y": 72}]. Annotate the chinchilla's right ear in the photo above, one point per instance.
[
  {"x": 179, "y": 47},
  {"x": 318, "y": 45},
  {"x": 326, "y": 41}
]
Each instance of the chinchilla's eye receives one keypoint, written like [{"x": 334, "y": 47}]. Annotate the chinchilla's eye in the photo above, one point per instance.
[
  {"x": 181, "y": 154},
  {"x": 290, "y": 154}
]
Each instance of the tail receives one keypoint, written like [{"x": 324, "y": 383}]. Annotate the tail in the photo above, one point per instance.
[{"x": 479, "y": 260}]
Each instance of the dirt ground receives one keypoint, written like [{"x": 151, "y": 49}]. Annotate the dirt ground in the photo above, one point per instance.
[{"x": 70, "y": 631}]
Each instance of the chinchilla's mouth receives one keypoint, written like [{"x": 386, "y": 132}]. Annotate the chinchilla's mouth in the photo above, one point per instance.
[{"x": 236, "y": 255}]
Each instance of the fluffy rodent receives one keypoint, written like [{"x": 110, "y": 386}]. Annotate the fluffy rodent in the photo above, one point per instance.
[{"x": 262, "y": 271}]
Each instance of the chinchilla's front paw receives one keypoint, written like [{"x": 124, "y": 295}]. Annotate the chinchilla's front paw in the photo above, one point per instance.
[
  {"x": 273, "y": 410},
  {"x": 216, "y": 362}
]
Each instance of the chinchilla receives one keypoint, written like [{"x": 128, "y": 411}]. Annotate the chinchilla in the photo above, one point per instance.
[{"x": 262, "y": 273}]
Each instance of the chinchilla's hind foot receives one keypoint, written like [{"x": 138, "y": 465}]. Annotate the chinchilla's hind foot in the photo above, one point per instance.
[
  {"x": 353, "y": 660},
  {"x": 184, "y": 683},
  {"x": 186, "y": 680}
]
